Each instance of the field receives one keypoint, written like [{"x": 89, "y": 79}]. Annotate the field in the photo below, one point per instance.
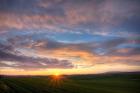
[{"x": 105, "y": 83}]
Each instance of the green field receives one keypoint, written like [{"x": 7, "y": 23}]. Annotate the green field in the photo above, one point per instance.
[{"x": 106, "y": 83}]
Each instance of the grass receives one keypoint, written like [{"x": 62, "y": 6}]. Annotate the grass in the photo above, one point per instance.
[{"x": 107, "y": 83}]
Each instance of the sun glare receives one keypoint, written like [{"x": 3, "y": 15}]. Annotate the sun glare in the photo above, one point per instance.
[
  {"x": 56, "y": 74},
  {"x": 56, "y": 80}
]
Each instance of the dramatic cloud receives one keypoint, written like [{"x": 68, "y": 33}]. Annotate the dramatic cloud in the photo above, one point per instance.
[
  {"x": 70, "y": 34},
  {"x": 97, "y": 17},
  {"x": 14, "y": 60}
]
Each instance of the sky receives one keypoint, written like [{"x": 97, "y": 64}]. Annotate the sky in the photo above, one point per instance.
[{"x": 43, "y": 37}]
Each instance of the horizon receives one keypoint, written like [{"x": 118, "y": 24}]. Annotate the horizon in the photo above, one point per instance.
[
  {"x": 69, "y": 37},
  {"x": 105, "y": 73}
]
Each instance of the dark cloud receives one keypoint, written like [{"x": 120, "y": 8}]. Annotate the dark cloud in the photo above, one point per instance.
[
  {"x": 16, "y": 5},
  {"x": 25, "y": 62},
  {"x": 30, "y": 7},
  {"x": 108, "y": 47},
  {"x": 125, "y": 52},
  {"x": 104, "y": 14},
  {"x": 113, "y": 43},
  {"x": 27, "y": 24}
]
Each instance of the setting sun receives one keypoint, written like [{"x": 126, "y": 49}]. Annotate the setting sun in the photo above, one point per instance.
[
  {"x": 56, "y": 74},
  {"x": 69, "y": 46}
]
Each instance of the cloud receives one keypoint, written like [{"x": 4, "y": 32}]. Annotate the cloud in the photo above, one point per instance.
[
  {"x": 112, "y": 46},
  {"x": 125, "y": 52},
  {"x": 103, "y": 16},
  {"x": 26, "y": 62},
  {"x": 129, "y": 61},
  {"x": 39, "y": 34}
]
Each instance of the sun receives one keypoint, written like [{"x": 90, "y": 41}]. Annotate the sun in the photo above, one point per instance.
[
  {"x": 56, "y": 79},
  {"x": 56, "y": 74}
]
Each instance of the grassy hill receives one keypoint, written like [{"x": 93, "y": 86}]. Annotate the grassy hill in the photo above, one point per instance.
[{"x": 104, "y": 83}]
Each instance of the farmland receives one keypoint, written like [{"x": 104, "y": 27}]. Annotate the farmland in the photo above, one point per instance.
[{"x": 104, "y": 83}]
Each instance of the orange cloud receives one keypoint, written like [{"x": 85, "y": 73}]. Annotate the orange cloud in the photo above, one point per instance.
[
  {"x": 85, "y": 58},
  {"x": 77, "y": 57}
]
